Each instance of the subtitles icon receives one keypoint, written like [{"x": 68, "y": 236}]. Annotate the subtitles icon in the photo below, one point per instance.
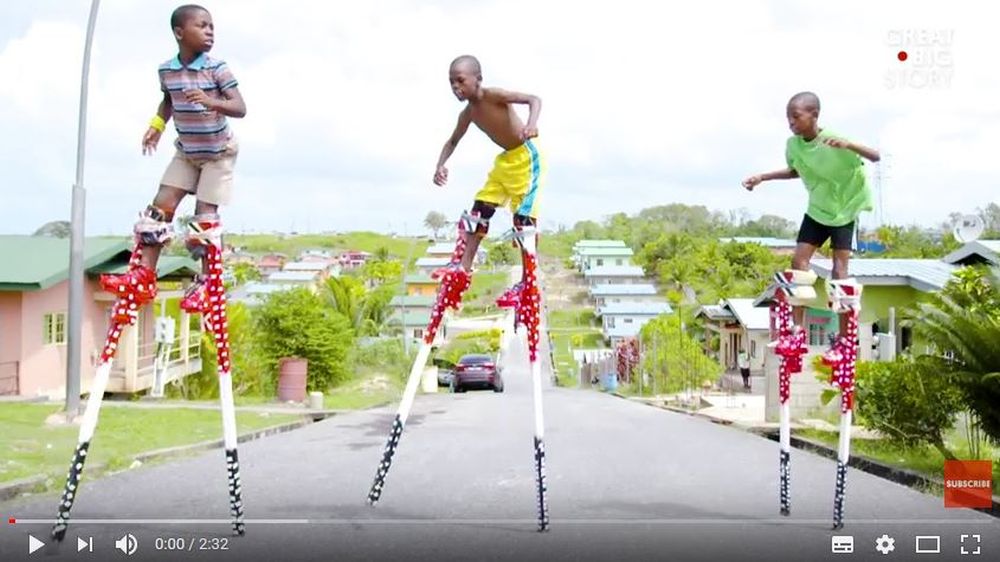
[
  {"x": 842, "y": 544},
  {"x": 127, "y": 544},
  {"x": 928, "y": 544}
]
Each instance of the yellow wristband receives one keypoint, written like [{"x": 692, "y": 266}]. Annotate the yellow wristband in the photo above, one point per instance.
[{"x": 158, "y": 123}]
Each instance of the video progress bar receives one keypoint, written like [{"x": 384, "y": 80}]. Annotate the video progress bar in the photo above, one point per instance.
[{"x": 515, "y": 521}]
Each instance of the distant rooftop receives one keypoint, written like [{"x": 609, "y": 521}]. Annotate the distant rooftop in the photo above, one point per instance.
[
  {"x": 978, "y": 251},
  {"x": 766, "y": 241},
  {"x": 615, "y": 271},
  {"x": 306, "y": 266},
  {"x": 615, "y": 251},
  {"x": 292, "y": 276},
  {"x": 634, "y": 309},
  {"x": 616, "y": 289},
  {"x": 599, "y": 244}
]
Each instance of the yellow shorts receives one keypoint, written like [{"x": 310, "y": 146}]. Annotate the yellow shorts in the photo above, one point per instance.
[{"x": 516, "y": 179}]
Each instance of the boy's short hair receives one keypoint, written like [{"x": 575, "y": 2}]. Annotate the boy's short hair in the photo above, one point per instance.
[
  {"x": 472, "y": 61},
  {"x": 806, "y": 100},
  {"x": 182, "y": 13}
]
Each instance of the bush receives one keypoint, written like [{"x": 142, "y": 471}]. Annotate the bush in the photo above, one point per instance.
[
  {"x": 481, "y": 341},
  {"x": 297, "y": 323},
  {"x": 910, "y": 401},
  {"x": 388, "y": 356}
]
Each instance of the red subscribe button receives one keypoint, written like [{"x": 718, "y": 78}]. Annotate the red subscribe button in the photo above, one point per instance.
[{"x": 968, "y": 484}]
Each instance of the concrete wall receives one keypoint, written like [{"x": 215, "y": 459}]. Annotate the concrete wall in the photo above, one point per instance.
[{"x": 805, "y": 388}]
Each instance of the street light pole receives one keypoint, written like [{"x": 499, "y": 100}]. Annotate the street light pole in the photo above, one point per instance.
[{"x": 76, "y": 241}]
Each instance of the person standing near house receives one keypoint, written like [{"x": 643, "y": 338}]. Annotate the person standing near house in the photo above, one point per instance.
[
  {"x": 743, "y": 362},
  {"x": 199, "y": 92},
  {"x": 832, "y": 170}
]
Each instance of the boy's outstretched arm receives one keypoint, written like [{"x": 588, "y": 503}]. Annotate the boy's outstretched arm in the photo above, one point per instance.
[
  {"x": 862, "y": 150},
  {"x": 786, "y": 174},
  {"x": 534, "y": 107},
  {"x": 441, "y": 173}
]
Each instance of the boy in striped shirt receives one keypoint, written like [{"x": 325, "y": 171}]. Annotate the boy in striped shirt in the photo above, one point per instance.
[{"x": 199, "y": 92}]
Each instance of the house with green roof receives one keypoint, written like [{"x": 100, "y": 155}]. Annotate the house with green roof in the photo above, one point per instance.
[{"x": 34, "y": 297}]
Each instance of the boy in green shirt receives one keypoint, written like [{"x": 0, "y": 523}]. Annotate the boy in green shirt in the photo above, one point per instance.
[{"x": 833, "y": 173}]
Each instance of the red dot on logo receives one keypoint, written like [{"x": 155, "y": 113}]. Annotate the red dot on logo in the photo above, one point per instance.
[{"x": 902, "y": 56}]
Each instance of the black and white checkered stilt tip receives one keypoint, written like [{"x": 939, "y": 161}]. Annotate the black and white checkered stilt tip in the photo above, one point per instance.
[
  {"x": 235, "y": 491},
  {"x": 543, "y": 507},
  {"x": 786, "y": 474},
  {"x": 70, "y": 491},
  {"x": 383, "y": 468},
  {"x": 838, "y": 498}
]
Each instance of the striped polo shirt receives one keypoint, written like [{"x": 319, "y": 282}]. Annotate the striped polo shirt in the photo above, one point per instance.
[{"x": 201, "y": 134}]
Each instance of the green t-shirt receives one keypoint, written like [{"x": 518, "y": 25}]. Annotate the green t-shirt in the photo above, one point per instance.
[{"x": 834, "y": 178}]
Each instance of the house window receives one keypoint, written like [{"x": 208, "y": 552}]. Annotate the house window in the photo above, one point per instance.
[
  {"x": 817, "y": 334},
  {"x": 618, "y": 262},
  {"x": 600, "y": 262},
  {"x": 611, "y": 321},
  {"x": 54, "y": 328},
  {"x": 753, "y": 348},
  {"x": 628, "y": 320},
  {"x": 418, "y": 333}
]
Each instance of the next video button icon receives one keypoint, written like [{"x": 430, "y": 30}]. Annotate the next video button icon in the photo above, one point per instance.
[{"x": 842, "y": 544}]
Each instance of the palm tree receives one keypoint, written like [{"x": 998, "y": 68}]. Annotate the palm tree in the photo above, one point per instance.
[
  {"x": 346, "y": 295},
  {"x": 963, "y": 323}
]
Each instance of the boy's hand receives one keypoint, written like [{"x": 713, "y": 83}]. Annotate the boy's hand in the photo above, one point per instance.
[
  {"x": 752, "y": 182},
  {"x": 199, "y": 97},
  {"x": 441, "y": 176},
  {"x": 529, "y": 132},
  {"x": 837, "y": 143},
  {"x": 150, "y": 140}
]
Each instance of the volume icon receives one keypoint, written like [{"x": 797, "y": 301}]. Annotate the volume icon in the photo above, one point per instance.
[{"x": 127, "y": 544}]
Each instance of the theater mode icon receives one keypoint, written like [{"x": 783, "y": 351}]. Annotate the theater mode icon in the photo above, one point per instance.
[{"x": 842, "y": 544}]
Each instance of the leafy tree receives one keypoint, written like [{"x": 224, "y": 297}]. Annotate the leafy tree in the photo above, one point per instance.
[
  {"x": 963, "y": 324},
  {"x": 55, "y": 229},
  {"x": 377, "y": 272},
  {"x": 500, "y": 253},
  {"x": 296, "y": 323},
  {"x": 435, "y": 221},
  {"x": 346, "y": 295},
  {"x": 673, "y": 357},
  {"x": 244, "y": 273}
]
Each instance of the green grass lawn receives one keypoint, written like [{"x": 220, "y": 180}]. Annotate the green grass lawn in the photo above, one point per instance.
[
  {"x": 572, "y": 318},
  {"x": 563, "y": 344},
  {"x": 481, "y": 296},
  {"x": 924, "y": 460},
  {"x": 398, "y": 247},
  {"x": 30, "y": 448}
]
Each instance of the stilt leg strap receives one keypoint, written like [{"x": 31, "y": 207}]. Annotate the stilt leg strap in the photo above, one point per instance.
[
  {"x": 153, "y": 228},
  {"x": 205, "y": 230},
  {"x": 844, "y": 295},
  {"x": 796, "y": 286}
]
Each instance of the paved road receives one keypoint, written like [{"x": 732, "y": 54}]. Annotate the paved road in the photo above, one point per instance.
[{"x": 627, "y": 481}]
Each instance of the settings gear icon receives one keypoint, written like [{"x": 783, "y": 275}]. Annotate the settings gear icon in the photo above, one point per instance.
[{"x": 885, "y": 544}]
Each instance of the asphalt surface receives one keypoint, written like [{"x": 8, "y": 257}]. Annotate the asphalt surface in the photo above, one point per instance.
[{"x": 626, "y": 482}]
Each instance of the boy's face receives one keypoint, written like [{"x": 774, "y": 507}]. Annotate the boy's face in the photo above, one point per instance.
[
  {"x": 463, "y": 82},
  {"x": 800, "y": 120},
  {"x": 197, "y": 33}
]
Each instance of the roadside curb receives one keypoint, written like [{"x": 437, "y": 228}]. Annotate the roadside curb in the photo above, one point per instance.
[
  {"x": 12, "y": 490},
  {"x": 900, "y": 476}
]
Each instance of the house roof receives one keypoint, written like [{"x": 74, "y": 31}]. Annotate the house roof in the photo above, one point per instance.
[
  {"x": 306, "y": 266},
  {"x": 766, "y": 241},
  {"x": 615, "y": 271},
  {"x": 921, "y": 274},
  {"x": 715, "y": 312},
  {"x": 256, "y": 288},
  {"x": 441, "y": 249},
  {"x": 419, "y": 301},
  {"x": 974, "y": 252},
  {"x": 414, "y": 318},
  {"x": 750, "y": 316},
  {"x": 292, "y": 276},
  {"x": 618, "y": 289},
  {"x": 634, "y": 309},
  {"x": 599, "y": 244},
  {"x": 602, "y": 252},
  {"x": 34, "y": 263},
  {"x": 432, "y": 262}
]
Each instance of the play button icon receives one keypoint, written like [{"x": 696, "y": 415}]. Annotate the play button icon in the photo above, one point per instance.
[{"x": 34, "y": 544}]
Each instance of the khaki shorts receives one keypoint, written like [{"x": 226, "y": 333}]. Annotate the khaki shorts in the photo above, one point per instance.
[{"x": 210, "y": 181}]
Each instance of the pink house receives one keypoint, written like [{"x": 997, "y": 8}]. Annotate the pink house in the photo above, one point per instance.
[
  {"x": 352, "y": 259},
  {"x": 34, "y": 296}
]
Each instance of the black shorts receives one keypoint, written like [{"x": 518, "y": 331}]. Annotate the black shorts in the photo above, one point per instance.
[{"x": 816, "y": 234}]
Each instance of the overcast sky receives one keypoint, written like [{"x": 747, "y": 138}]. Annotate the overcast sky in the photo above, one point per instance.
[{"x": 349, "y": 104}]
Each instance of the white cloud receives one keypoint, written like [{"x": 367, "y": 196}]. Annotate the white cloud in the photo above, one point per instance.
[{"x": 643, "y": 105}]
